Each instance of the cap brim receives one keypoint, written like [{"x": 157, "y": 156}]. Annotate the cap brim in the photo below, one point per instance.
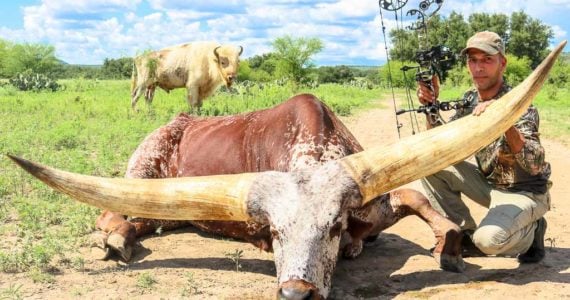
[{"x": 483, "y": 47}]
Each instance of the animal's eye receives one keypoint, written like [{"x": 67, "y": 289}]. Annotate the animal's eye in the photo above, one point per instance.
[{"x": 335, "y": 229}]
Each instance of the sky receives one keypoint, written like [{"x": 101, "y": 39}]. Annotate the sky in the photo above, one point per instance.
[{"x": 87, "y": 32}]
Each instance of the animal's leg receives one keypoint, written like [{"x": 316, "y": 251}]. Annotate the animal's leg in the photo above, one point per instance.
[
  {"x": 149, "y": 94},
  {"x": 135, "y": 96},
  {"x": 193, "y": 99},
  {"x": 388, "y": 209},
  {"x": 114, "y": 233},
  {"x": 146, "y": 226}
]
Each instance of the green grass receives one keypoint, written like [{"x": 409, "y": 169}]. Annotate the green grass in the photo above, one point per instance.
[{"x": 89, "y": 128}]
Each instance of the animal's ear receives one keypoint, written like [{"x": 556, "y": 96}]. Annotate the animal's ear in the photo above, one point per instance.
[{"x": 357, "y": 228}]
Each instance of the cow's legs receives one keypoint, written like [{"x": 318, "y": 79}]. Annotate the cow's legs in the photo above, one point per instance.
[
  {"x": 136, "y": 95},
  {"x": 114, "y": 233},
  {"x": 149, "y": 94},
  {"x": 117, "y": 234},
  {"x": 193, "y": 99},
  {"x": 388, "y": 209}
]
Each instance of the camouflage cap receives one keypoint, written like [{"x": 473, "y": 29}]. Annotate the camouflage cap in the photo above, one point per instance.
[{"x": 486, "y": 41}]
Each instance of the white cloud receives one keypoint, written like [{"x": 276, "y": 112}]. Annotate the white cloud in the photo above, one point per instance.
[
  {"x": 88, "y": 31},
  {"x": 559, "y": 32}
]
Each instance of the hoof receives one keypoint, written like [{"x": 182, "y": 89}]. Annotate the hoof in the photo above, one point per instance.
[
  {"x": 118, "y": 243},
  {"x": 99, "y": 249},
  {"x": 353, "y": 250},
  {"x": 450, "y": 263}
]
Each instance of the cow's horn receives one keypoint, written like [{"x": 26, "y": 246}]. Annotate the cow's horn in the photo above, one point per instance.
[
  {"x": 216, "y": 52},
  {"x": 198, "y": 198},
  {"x": 382, "y": 169}
]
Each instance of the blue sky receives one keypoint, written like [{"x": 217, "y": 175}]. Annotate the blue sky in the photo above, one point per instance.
[{"x": 86, "y": 32}]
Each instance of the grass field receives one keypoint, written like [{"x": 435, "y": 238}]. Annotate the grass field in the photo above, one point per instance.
[{"x": 90, "y": 128}]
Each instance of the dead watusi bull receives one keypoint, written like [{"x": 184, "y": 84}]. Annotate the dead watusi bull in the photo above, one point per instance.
[{"x": 310, "y": 207}]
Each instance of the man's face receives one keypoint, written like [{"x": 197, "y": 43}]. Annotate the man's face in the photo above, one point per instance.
[{"x": 486, "y": 70}]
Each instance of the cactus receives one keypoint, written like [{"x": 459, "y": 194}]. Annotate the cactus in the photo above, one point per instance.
[{"x": 34, "y": 82}]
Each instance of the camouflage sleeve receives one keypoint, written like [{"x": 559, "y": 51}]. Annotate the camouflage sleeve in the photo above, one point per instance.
[
  {"x": 531, "y": 157},
  {"x": 469, "y": 101}
]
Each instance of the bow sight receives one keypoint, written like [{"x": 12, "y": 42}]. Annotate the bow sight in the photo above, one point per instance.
[{"x": 436, "y": 60}]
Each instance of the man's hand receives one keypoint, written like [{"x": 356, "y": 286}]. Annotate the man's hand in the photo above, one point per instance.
[
  {"x": 482, "y": 106},
  {"x": 427, "y": 94}
]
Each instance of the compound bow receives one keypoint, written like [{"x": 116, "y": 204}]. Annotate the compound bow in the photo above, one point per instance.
[{"x": 435, "y": 60}]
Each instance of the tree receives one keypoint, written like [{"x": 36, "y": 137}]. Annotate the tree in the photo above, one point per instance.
[
  {"x": 528, "y": 38},
  {"x": 498, "y": 23},
  {"x": 36, "y": 58},
  {"x": 4, "y": 47},
  {"x": 405, "y": 44},
  {"x": 337, "y": 74},
  {"x": 458, "y": 31},
  {"x": 119, "y": 68},
  {"x": 294, "y": 56}
]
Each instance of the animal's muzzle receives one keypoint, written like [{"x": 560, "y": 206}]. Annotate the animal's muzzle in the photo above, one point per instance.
[
  {"x": 231, "y": 78},
  {"x": 298, "y": 290}
]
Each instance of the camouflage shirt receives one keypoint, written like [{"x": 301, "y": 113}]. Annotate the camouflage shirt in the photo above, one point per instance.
[{"x": 523, "y": 171}]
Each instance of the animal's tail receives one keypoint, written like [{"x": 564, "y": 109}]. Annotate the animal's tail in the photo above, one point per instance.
[{"x": 133, "y": 78}]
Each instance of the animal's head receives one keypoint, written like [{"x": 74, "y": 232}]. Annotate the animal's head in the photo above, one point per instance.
[
  {"x": 227, "y": 59},
  {"x": 306, "y": 209}
]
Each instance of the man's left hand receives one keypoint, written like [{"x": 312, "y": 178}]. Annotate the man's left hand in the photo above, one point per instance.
[{"x": 482, "y": 106}]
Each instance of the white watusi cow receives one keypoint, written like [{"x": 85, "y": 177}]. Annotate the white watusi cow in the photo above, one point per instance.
[{"x": 201, "y": 67}]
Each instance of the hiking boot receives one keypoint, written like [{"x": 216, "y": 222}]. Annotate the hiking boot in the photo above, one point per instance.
[
  {"x": 536, "y": 252},
  {"x": 468, "y": 248}
]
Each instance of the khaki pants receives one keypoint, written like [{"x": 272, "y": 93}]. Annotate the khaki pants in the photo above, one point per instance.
[{"x": 507, "y": 229}]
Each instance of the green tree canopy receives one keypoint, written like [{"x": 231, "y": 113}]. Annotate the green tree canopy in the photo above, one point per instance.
[
  {"x": 528, "y": 38},
  {"x": 294, "y": 56},
  {"x": 119, "y": 68},
  {"x": 523, "y": 35},
  {"x": 36, "y": 58}
]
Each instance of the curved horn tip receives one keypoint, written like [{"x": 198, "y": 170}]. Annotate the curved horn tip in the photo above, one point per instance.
[
  {"x": 240, "y": 50},
  {"x": 216, "y": 51},
  {"x": 27, "y": 165}
]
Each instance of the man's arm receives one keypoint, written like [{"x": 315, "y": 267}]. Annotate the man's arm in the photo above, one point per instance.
[
  {"x": 428, "y": 94},
  {"x": 530, "y": 154}
]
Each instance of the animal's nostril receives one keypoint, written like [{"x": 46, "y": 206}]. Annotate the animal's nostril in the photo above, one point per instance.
[{"x": 295, "y": 294}]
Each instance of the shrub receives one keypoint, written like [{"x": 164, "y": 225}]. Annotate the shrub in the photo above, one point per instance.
[{"x": 28, "y": 81}]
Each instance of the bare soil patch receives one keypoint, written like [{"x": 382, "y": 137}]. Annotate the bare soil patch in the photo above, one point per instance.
[{"x": 192, "y": 265}]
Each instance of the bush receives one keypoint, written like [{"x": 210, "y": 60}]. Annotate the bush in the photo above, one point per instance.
[
  {"x": 517, "y": 69},
  {"x": 399, "y": 78},
  {"x": 28, "y": 81},
  {"x": 560, "y": 75}
]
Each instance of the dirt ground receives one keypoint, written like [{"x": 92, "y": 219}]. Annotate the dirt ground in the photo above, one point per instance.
[{"x": 190, "y": 264}]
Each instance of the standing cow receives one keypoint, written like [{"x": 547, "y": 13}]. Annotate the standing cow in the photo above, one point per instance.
[
  {"x": 201, "y": 67},
  {"x": 306, "y": 211}
]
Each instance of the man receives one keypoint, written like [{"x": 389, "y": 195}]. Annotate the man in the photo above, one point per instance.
[{"x": 511, "y": 175}]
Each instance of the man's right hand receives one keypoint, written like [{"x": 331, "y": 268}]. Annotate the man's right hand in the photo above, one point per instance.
[{"x": 427, "y": 94}]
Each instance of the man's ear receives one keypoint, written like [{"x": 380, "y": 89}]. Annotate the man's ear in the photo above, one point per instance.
[{"x": 504, "y": 62}]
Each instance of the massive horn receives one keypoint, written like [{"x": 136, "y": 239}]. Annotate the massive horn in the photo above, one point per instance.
[
  {"x": 220, "y": 197},
  {"x": 382, "y": 169}
]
